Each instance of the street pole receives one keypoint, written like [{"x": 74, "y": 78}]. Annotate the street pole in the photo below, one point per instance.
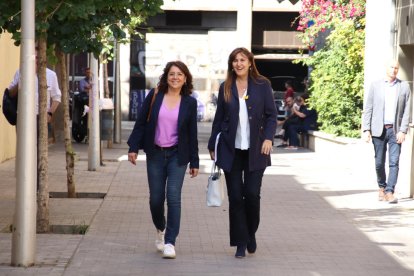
[
  {"x": 24, "y": 224},
  {"x": 117, "y": 96},
  {"x": 93, "y": 117}
]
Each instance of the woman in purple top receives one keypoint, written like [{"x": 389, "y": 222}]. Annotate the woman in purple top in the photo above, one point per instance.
[{"x": 166, "y": 129}]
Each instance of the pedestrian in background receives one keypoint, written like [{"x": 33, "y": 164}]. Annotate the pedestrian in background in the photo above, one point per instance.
[
  {"x": 54, "y": 94},
  {"x": 306, "y": 120},
  {"x": 385, "y": 121},
  {"x": 289, "y": 92},
  {"x": 246, "y": 119},
  {"x": 166, "y": 129},
  {"x": 85, "y": 84}
]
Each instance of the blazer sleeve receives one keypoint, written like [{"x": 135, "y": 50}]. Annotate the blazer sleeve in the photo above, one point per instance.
[
  {"x": 194, "y": 159},
  {"x": 366, "y": 122},
  {"x": 218, "y": 119},
  {"x": 270, "y": 114},
  {"x": 136, "y": 139},
  {"x": 406, "y": 115},
  {"x": 55, "y": 92},
  {"x": 15, "y": 80}
]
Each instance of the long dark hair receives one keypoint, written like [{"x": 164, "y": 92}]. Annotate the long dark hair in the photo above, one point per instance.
[
  {"x": 231, "y": 75},
  {"x": 187, "y": 88}
]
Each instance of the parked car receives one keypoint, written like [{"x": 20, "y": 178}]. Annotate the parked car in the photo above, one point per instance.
[{"x": 281, "y": 111}]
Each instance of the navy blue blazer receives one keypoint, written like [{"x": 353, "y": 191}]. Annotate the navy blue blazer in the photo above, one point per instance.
[
  {"x": 262, "y": 119},
  {"x": 143, "y": 134}
]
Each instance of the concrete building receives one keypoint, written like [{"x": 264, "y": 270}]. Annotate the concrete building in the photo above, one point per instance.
[{"x": 203, "y": 33}]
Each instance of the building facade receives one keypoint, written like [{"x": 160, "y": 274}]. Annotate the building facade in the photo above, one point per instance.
[
  {"x": 10, "y": 57},
  {"x": 203, "y": 33}
]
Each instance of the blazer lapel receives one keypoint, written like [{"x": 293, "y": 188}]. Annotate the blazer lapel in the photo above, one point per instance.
[
  {"x": 157, "y": 105},
  {"x": 234, "y": 91},
  {"x": 397, "y": 99},
  {"x": 381, "y": 93},
  {"x": 183, "y": 110},
  {"x": 251, "y": 99}
]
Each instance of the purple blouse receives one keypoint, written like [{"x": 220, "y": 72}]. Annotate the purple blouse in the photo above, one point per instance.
[{"x": 166, "y": 132}]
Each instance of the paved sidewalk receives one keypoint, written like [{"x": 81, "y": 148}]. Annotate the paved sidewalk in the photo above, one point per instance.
[{"x": 320, "y": 216}]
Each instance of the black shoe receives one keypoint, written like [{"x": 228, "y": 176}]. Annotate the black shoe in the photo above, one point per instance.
[
  {"x": 282, "y": 146},
  {"x": 241, "y": 251},
  {"x": 251, "y": 245},
  {"x": 278, "y": 136}
]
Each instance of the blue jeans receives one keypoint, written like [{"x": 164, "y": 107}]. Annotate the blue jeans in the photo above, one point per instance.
[
  {"x": 292, "y": 133},
  {"x": 243, "y": 189},
  {"x": 394, "y": 150},
  {"x": 165, "y": 177}
]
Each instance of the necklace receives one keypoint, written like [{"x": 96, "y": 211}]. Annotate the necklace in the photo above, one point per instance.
[{"x": 241, "y": 88}]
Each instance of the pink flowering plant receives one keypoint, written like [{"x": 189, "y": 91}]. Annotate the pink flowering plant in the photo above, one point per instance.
[{"x": 317, "y": 16}]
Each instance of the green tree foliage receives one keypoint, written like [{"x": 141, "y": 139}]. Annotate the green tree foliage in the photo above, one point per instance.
[
  {"x": 81, "y": 25},
  {"x": 336, "y": 80},
  {"x": 71, "y": 26}
]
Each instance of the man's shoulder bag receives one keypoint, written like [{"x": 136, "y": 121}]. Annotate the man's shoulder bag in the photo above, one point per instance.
[{"x": 9, "y": 107}]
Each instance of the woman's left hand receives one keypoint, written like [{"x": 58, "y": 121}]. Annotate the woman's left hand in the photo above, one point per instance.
[
  {"x": 193, "y": 172},
  {"x": 267, "y": 147}
]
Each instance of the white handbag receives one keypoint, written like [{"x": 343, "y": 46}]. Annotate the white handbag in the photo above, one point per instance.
[{"x": 215, "y": 186}]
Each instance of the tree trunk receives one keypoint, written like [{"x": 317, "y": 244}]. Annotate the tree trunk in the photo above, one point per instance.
[
  {"x": 105, "y": 74},
  {"x": 42, "y": 165},
  {"x": 70, "y": 160}
]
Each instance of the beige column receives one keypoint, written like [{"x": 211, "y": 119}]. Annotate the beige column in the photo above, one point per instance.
[
  {"x": 124, "y": 76},
  {"x": 379, "y": 38},
  {"x": 244, "y": 23}
]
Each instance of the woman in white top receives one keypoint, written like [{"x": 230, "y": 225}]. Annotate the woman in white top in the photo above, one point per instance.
[{"x": 246, "y": 119}]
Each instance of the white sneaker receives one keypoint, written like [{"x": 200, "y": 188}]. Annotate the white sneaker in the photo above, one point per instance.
[
  {"x": 169, "y": 251},
  {"x": 159, "y": 242}
]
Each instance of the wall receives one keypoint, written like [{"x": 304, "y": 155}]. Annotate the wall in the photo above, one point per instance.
[
  {"x": 205, "y": 56},
  {"x": 9, "y": 58},
  {"x": 405, "y": 52}
]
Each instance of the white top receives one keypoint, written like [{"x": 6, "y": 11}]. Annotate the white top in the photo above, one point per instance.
[
  {"x": 389, "y": 102},
  {"x": 243, "y": 128},
  {"x": 53, "y": 91}
]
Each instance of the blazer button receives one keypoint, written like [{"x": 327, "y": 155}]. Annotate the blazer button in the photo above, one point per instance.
[
  {"x": 250, "y": 107},
  {"x": 250, "y": 117}
]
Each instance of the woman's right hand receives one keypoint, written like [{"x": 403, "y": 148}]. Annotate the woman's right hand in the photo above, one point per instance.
[
  {"x": 132, "y": 157},
  {"x": 212, "y": 155}
]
